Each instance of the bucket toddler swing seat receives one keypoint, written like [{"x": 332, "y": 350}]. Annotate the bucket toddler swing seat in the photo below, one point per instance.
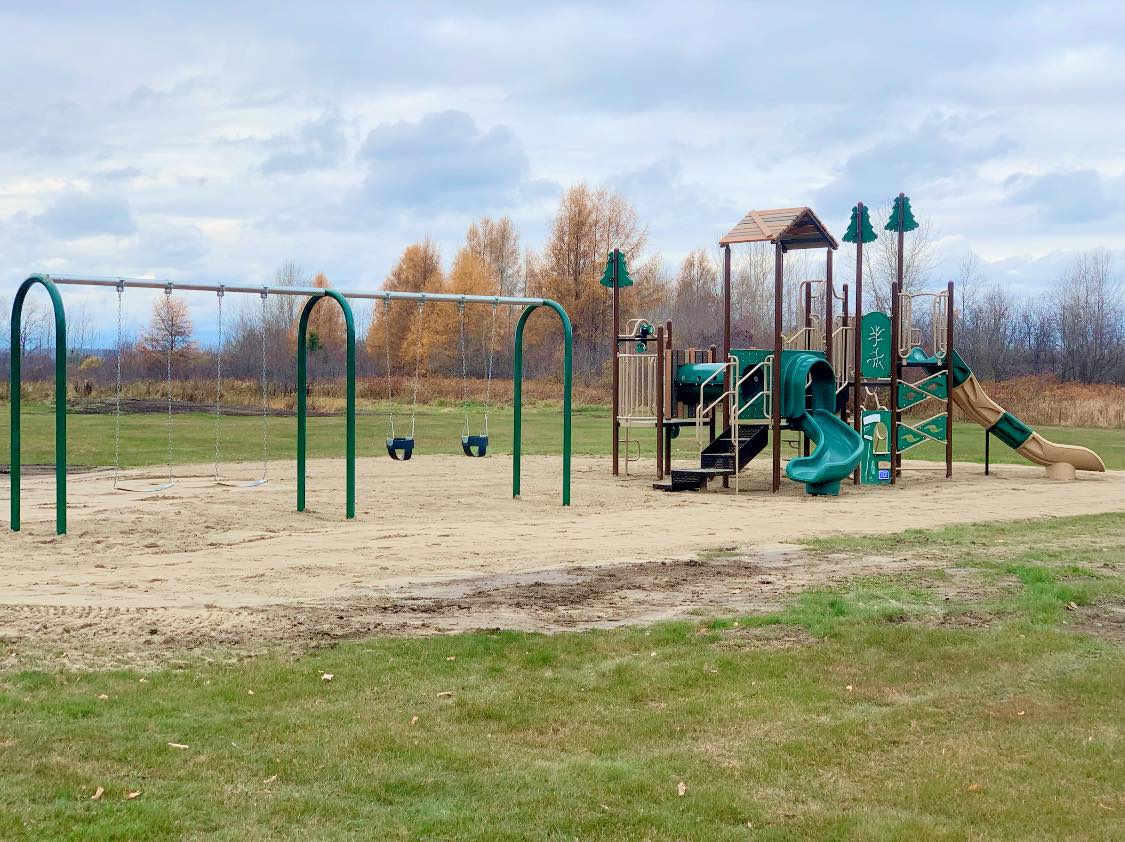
[
  {"x": 476, "y": 446},
  {"x": 401, "y": 448}
]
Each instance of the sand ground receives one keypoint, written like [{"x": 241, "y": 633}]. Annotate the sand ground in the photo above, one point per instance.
[{"x": 438, "y": 544}]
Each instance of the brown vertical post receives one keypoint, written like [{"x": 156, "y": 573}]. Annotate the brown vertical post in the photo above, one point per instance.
[
  {"x": 726, "y": 341},
  {"x": 846, "y": 319},
  {"x": 775, "y": 372},
  {"x": 829, "y": 305},
  {"x": 714, "y": 357},
  {"x": 660, "y": 402},
  {"x": 726, "y": 302},
  {"x": 669, "y": 391},
  {"x": 805, "y": 449},
  {"x": 949, "y": 383},
  {"x": 857, "y": 383},
  {"x": 892, "y": 433},
  {"x": 616, "y": 373},
  {"x": 896, "y": 368}
]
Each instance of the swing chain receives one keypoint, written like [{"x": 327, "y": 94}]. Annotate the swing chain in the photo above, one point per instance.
[
  {"x": 265, "y": 450},
  {"x": 464, "y": 362},
  {"x": 171, "y": 339},
  {"x": 117, "y": 386},
  {"x": 218, "y": 378},
  {"x": 417, "y": 366},
  {"x": 488, "y": 370}
]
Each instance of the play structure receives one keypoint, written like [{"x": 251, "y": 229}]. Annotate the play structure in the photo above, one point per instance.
[
  {"x": 848, "y": 418},
  {"x": 473, "y": 444}
]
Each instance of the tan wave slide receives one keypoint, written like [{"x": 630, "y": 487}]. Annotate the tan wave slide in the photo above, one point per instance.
[{"x": 1060, "y": 460}]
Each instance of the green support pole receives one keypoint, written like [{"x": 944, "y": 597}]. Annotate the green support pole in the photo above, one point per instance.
[
  {"x": 517, "y": 395},
  {"x": 60, "y": 400},
  {"x": 302, "y": 378}
]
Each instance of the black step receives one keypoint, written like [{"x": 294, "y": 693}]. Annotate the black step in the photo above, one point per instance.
[
  {"x": 719, "y": 454},
  {"x": 689, "y": 479}
]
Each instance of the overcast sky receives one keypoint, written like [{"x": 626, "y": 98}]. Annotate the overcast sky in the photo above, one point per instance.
[{"x": 215, "y": 140}]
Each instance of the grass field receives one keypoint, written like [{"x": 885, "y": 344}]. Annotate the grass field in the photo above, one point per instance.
[
  {"x": 981, "y": 700},
  {"x": 438, "y": 431}
]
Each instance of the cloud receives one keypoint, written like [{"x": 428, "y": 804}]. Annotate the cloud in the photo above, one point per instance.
[
  {"x": 934, "y": 156},
  {"x": 317, "y": 144},
  {"x": 444, "y": 161},
  {"x": 75, "y": 215},
  {"x": 1064, "y": 196}
]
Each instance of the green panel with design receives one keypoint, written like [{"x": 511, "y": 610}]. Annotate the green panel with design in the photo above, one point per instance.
[
  {"x": 875, "y": 345},
  {"x": 934, "y": 386},
  {"x": 908, "y": 437}
]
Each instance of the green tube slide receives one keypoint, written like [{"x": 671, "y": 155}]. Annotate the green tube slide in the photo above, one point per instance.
[{"x": 808, "y": 398}]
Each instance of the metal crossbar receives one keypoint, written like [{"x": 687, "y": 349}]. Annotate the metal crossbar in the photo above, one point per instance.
[{"x": 383, "y": 295}]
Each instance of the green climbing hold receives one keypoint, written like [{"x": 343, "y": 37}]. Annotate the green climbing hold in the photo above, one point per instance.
[
  {"x": 616, "y": 269},
  {"x": 860, "y": 227},
  {"x": 902, "y": 218}
]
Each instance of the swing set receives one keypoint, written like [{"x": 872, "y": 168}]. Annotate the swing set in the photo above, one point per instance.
[{"x": 472, "y": 445}]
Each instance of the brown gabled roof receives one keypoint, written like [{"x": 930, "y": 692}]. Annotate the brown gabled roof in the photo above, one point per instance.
[{"x": 794, "y": 228}]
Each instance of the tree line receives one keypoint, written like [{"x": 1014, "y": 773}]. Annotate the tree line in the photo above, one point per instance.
[{"x": 1075, "y": 330}]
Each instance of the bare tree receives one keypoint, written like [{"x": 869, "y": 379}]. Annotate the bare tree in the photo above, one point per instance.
[
  {"x": 880, "y": 261},
  {"x": 697, "y": 303},
  {"x": 1091, "y": 319},
  {"x": 169, "y": 332}
]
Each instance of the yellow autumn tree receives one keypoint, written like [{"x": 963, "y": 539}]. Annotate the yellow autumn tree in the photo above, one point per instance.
[
  {"x": 469, "y": 275},
  {"x": 586, "y": 226},
  {"x": 400, "y": 329},
  {"x": 326, "y": 336}
]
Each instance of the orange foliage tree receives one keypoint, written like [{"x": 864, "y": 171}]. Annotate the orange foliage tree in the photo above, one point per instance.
[{"x": 401, "y": 325}]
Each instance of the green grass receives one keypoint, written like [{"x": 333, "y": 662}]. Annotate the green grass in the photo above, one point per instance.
[
  {"x": 888, "y": 720},
  {"x": 438, "y": 430}
]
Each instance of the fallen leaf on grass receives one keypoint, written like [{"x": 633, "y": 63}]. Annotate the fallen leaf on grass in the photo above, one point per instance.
[
  {"x": 270, "y": 779},
  {"x": 98, "y": 793},
  {"x": 178, "y": 745},
  {"x": 681, "y": 789},
  {"x": 414, "y": 720},
  {"x": 129, "y": 796}
]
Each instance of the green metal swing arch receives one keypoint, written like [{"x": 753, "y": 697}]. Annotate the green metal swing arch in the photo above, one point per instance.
[{"x": 314, "y": 296}]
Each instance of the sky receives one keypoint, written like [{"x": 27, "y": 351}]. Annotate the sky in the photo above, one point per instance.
[{"x": 213, "y": 141}]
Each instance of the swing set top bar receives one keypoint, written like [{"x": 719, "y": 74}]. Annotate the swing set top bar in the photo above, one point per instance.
[{"x": 381, "y": 295}]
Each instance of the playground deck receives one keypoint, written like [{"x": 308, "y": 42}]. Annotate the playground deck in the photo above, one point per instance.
[{"x": 205, "y": 566}]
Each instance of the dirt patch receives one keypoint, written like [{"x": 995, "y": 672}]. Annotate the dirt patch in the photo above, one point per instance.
[{"x": 1103, "y": 620}]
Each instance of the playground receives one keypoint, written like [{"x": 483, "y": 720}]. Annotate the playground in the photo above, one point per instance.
[{"x": 402, "y": 618}]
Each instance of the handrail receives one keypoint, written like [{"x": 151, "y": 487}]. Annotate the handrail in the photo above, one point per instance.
[
  {"x": 767, "y": 365},
  {"x": 700, "y": 410}
]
